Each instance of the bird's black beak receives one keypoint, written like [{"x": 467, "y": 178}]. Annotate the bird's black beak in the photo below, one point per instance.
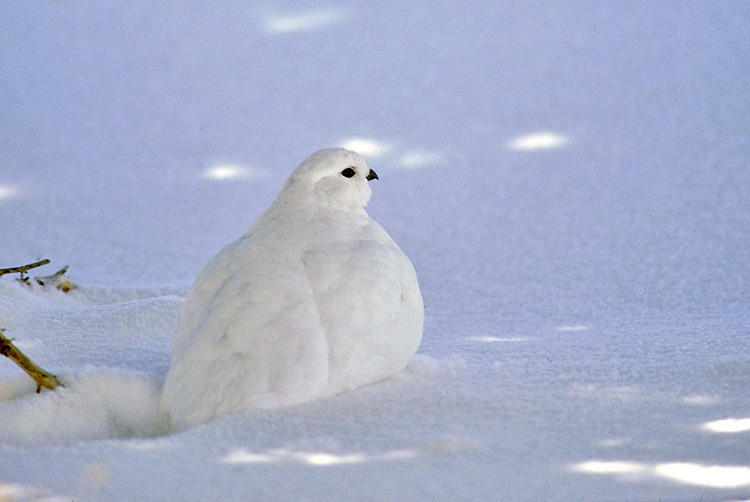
[{"x": 372, "y": 176}]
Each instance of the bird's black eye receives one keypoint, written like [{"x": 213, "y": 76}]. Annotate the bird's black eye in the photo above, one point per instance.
[{"x": 348, "y": 172}]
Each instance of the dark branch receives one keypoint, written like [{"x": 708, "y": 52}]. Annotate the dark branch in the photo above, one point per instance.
[{"x": 23, "y": 268}]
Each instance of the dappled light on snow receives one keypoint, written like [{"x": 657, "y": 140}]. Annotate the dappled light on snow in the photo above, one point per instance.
[
  {"x": 497, "y": 339},
  {"x": 7, "y": 192},
  {"x": 728, "y": 425},
  {"x": 612, "y": 442},
  {"x": 222, "y": 172},
  {"x": 409, "y": 159},
  {"x": 306, "y": 21},
  {"x": 713, "y": 476},
  {"x": 14, "y": 491},
  {"x": 438, "y": 446},
  {"x": 573, "y": 328},
  {"x": 365, "y": 146},
  {"x": 700, "y": 400},
  {"x": 319, "y": 459},
  {"x": 537, "y": 141},
  {"x": 570, "y": 182},
  {"x": 614, "y": 467},
  {"x": 417, "y": 159},
  {"x": 325, "y": 459}
]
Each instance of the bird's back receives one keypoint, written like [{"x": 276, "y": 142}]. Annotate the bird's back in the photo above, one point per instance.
[{"x": 293, "y": 311}]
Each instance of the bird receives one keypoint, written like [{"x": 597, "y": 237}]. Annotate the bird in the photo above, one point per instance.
[{"x": 315, "y": 299}]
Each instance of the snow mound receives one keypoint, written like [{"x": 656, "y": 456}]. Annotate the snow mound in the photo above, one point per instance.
[
  {"x": 94, "y": 404},
  {"x": 109, "y": 346}
]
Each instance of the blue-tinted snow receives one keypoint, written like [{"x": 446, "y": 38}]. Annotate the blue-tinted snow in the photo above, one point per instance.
[{"x": 571, "y": 181}]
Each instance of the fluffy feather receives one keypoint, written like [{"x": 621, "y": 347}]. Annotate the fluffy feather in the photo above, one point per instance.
[{"x": 315, "y": 299}]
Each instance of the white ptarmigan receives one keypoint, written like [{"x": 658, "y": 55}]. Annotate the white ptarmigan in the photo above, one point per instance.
[{"x": 315, "y": 299}]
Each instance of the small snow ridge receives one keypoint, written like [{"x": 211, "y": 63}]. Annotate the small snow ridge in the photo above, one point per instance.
[
  {"x": 306, "y": 21},
  {"x": 366, "y": 147},
  {"x": 537, "y": 141},
  {"x": 728, "y": 425},
  {"x": 222, "y": 172},
  {"x": 418, "y": 159}
]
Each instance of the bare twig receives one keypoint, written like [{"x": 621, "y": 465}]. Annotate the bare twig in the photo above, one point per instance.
[
  {"x": 40, "y": 376},
  {"x": 23, "y": 268},
  {"x": 58, "y": 280}
]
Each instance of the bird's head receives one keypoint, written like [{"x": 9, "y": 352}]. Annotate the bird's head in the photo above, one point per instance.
[{"x": 333, "y": 178}]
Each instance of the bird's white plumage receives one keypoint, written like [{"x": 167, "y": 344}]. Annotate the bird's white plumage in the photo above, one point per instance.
[{"x": 316, "y": 298}]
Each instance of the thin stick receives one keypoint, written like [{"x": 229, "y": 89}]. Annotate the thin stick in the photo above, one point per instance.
[
  {"x": 41, "y": 377},
  {"x": 23, "y": 268}
]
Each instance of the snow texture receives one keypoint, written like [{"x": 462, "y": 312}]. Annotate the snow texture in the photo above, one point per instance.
[
  {"x": 569, "y": 179},
  {"x": 313, "y": 300}
]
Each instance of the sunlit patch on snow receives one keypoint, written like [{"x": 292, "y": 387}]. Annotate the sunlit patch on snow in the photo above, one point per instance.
[
  {"x": 417, "y": 159},
  {"x": 16, "y": 492},
  {"x": 700, "y": 400},
  {"x": 366, "y": 147},
  {"x": 222, "y": 172},
  {"x": 305, "y": 21},
  {"x": 7, "y": 192},
  {"x": 728, "y": 425},
  {"x": 497, "y": 339},
  {"x": 613, "y": 442},
  {"x": 318, "y": 459},
  {"x": 11, "y": 491},
  {"x": 537, "y": 141},
  {"x": 325, "y": 459},
  {"x": 714, "y": 476},
  {"x": 609, "y": 467},
  {"x": 573, "y": 328},
  {"x": 437, "y": 446},
  {"x": 246, "y": 457}
]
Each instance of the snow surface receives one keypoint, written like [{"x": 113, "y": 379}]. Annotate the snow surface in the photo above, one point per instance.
[{"x": 570, "y": 180}]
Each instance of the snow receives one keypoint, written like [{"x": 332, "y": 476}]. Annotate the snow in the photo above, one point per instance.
[{"x": 569, "y": 179}]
